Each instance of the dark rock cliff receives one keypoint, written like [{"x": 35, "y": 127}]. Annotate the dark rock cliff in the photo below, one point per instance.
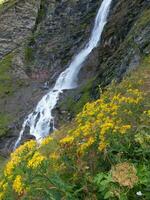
[
  {"x": 125, "y": 41},
  {"x": 38, "y": 40}
]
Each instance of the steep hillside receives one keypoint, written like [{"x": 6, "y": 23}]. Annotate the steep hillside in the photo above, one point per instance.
[
  {"x": 124, "y": 43},
  {"x": 102, "y": 154}
]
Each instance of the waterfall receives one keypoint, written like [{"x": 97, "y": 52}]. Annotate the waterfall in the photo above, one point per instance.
[{"x": 41, "y": 120}]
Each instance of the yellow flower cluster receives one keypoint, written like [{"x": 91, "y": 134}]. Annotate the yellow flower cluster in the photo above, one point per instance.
[
  {"x": 147, "y": 112},
  {"x": 103, "y": 117},
  {"x": 67, "y": 140},
  {"x": 46, "y": 141},
  {"x": 18, "y": 185},
  {"x": 25, "y": 147},
  {"x": 16, "y": 157},
  {"x": 3, "y": 189},
  {"x": 123, "y": 129},
  {"x": 3, "y": 185},
  {"x": 86, "y": 145},
  {"x": 1, "y": 195},
  {"x": 94, "y": 134},
  {"x": 54, "y": 156},
  {"x": 11, "y": 165},
  {"x": 36, "y": 160}
]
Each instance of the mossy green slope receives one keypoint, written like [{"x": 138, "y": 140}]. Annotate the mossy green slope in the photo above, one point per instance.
[
  {"x": 6, "y": 86},
  {"x": 6, "y": 89}
]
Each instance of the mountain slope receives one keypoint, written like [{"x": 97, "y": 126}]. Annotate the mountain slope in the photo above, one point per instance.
[{"x": 103, "y": 154}]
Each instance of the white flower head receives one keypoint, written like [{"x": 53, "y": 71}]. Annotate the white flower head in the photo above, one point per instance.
[{"x": 139, "y": 193}]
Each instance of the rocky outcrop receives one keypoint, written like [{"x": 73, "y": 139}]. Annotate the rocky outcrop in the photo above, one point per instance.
[
  {"x": 125, "y": 39},
  {"x": 125, "y": 42},
  {"x": 128, "y": 21},
  {"x": 42, "y": 45},
  {"x": 61, "y": 32},
  {"x": 17, "y": 20}
]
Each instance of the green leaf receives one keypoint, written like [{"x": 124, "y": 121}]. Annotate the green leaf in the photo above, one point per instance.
[
  {"x": 108, "y": 195},
  {"x": 123, "y": 197}
]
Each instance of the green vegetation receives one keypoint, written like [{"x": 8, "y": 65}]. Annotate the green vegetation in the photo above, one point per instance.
[
  {"x": 103, "y": 154},
  {"x": 28, "y": 54},
  {"x": 4, "y": 4},
  {"x": 2, "y": 1},
  {"x": 42, "y": 11},
  {"x": 4, "y": 121},
  {"x": 141, "y": 23},
  {"x": 6, "y": 87},
  {"x": 2, "y": 164},
  {"x": 75, "y": 106}
]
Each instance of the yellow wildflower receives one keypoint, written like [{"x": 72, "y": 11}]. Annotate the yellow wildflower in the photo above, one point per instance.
[
  {"x": 116, "y": 97},
  {"x": 18, "y": 185},
  {"x": 4, "y": 187},
  {"x": 67, "y": 140},
  {"x": 11, "y": 165},
  {"x": 25, "y": 147},
  {"x": 147, "y": 112},
  {"x": 124, "y": 129},
  {"x": 86, "y": 145},
  {"x": 106, "y": 126},
  {"x": 46, "y": 141},
  {"x": 102, "y": 146},
  {"x": 54, "y": 156},
  {"x": 1, "y": 195},
  {"x": 36, "y": 160},
  {"x": 1, "y": 183}
]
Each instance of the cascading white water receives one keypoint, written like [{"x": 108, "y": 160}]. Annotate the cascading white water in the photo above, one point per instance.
[{"x": 41, "y": 120}]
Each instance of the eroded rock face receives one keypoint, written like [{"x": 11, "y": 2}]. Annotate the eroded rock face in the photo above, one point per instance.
[
  {"x": 120, "y": 47},
  {"x": 16, "y": 23},
  {"x": 61, "y": 33}
]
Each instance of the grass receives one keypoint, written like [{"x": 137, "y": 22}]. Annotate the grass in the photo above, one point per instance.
[{"x": 2, "y": 164}]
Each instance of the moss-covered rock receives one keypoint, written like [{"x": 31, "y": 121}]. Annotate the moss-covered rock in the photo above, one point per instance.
[
  {"x": 123, "y": 50},
  {"x": 4, "y": 122},
  {"x": 17, "y": 19},
  {"x": 6, "y": 86},
  {"x": 74, "y": 102}
]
